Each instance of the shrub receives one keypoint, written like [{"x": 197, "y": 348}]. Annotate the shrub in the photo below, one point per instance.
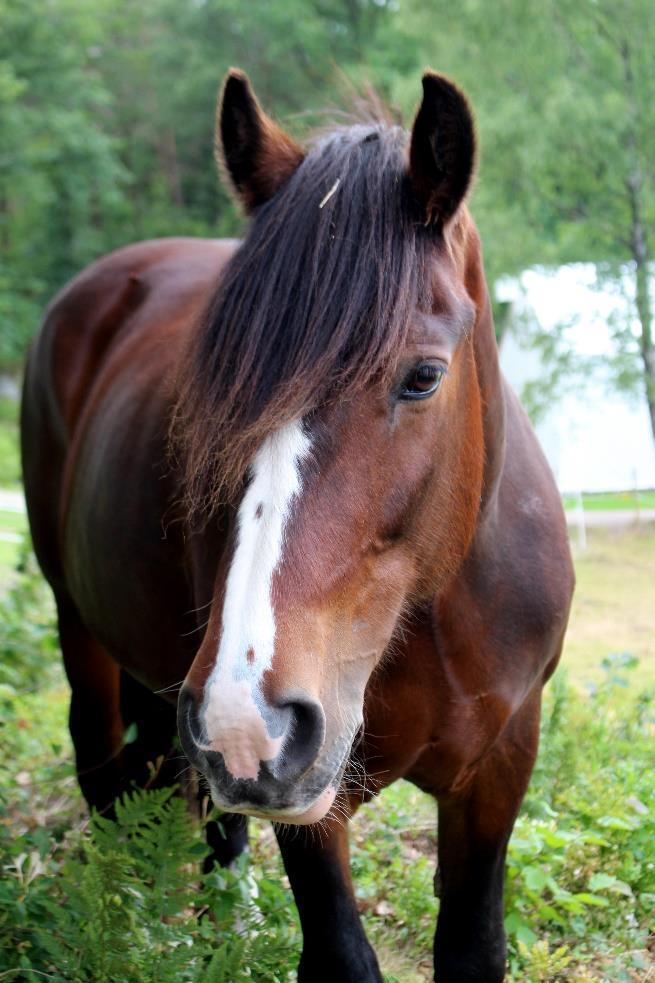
[{"x": 99, "y": 901}]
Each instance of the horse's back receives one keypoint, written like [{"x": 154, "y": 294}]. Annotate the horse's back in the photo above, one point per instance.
[
  {"x": 145, "y": 285},
  {"x": 131, "y": 307}
]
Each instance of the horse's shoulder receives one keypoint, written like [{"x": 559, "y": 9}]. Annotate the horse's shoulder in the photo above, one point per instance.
[{"x": 518, "y": 574}]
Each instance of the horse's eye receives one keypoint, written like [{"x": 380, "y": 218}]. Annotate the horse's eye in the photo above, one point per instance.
[{"x": 423, "y": 381}]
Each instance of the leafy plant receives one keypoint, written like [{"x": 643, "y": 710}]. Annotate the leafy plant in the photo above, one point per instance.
[
  {"x": 29, "y": 651},
  {"x": 93, "y": 900},
  {"x": 126, "y": 902}
]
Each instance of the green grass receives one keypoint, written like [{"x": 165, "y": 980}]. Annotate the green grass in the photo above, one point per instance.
[
  {"x": 581, "y": 885},
  {"x": 10, "y": 473},
  {"x": 614, "y": 604},
  {"x": 612, "y": 501},
  {"x": 12, "y": 524}
]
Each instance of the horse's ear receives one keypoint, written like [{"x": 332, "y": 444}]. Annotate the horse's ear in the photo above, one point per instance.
[
  {"x": 442, "y": 150},
  {"x": 256, "y": 153}
]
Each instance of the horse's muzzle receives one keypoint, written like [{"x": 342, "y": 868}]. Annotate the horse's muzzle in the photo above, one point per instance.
[{"x": 290, "y": 787}]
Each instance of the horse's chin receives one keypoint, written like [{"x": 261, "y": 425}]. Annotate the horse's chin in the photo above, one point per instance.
[
  {"x": 317, "y": 810},
  {"x": 304, "y": 816}
]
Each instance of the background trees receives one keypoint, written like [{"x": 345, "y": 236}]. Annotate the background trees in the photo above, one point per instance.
[{"x": 106, "y": 117}]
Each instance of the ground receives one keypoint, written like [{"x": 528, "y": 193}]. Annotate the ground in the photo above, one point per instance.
[{"x": 614, "y": 604}]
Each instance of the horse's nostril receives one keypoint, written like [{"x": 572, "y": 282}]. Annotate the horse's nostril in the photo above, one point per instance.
[
  {"x": 187, "y": 720},
  {"x": 295, "y": 722},
  {"x": 304, "y": 737}
]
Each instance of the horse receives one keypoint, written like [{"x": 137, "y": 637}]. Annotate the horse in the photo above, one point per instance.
[{"x": 288, "y": 472}]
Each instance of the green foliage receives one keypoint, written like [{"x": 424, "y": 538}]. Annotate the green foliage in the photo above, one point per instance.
[
  {"x": 62, "y": 184},
  {"x": 100, "y": 148},
  {"x": 564, "y": 92},
  {"x": 541, "y": 963},
  {"x": 126, "y": 900},
  {"x": 9, "y": 455},
  {"x": 580, "y": 887},
  {"x": 581, "y": 866},
  {"x": 29, "y": 650}
]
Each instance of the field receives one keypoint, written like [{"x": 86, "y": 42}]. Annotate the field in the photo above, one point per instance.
[
  {"x": 613, "y": 501},
  {"x": 614, "y": 605},
  {"x": 91, "y": 901},
  {"x": 9, "y": 459}
]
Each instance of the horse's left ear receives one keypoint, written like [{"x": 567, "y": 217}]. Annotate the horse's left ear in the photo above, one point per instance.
[
  {"x": 442, "y": 150},
  {"x": 257, "y": 154}
]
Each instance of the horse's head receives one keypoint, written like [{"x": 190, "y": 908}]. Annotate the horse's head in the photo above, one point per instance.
[{"x": 337, "y": 369}]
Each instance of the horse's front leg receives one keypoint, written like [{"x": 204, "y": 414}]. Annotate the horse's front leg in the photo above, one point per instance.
[
  {"x": 474, "y": 829},
  {"x": 335, "y": 947}
]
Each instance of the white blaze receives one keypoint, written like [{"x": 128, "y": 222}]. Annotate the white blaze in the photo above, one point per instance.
[{"x": 232, "y": 719}]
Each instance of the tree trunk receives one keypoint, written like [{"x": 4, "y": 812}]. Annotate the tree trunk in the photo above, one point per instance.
[
  {"x": 639, "y": 243},
  {"x": 645, "y": 315}
]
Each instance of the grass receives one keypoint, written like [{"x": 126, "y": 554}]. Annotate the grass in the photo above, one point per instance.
[
  {"x": 10, "y": 472},
  {"x": 13, "y": 526},
  {"x": 13, "y": 522},
  {"x": 612, "y": 501},
  {"x": 614, "y": 604},
  {"x": 581, "y": 885}
]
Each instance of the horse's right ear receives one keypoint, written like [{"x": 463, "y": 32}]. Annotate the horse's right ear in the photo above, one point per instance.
[
  {"x": 442, "y": 150},
  {"x": 256, "y": 153}
]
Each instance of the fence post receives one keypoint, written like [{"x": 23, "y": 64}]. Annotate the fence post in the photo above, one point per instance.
[{"x": 580, "y": 521}]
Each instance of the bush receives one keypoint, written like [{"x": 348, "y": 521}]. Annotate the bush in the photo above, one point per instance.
[
  {"x": 581, "y": 865},
  {"x": 123, "y": 902},
  {"x": 126, "y": 901},
  {"x": 29, "y": 649}
]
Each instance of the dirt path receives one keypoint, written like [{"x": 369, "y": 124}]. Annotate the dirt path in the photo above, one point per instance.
[{"x": 612, "y": 518}]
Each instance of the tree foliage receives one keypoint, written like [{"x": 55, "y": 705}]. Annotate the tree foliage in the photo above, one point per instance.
[
  {"x": 106, "y": 113},
  {"x": 565, "y": 97}
]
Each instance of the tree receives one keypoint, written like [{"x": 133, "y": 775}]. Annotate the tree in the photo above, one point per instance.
[
  {"x": 565, "y": 97},
  {"x": 61, "y": 181},
  {"x": 106, "y": 115}
]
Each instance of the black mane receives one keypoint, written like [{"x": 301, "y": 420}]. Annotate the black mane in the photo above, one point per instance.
[{"x": 316, "y": 302}]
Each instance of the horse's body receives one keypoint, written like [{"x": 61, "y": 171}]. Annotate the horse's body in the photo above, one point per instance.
[{"x": 455, "y": 708}]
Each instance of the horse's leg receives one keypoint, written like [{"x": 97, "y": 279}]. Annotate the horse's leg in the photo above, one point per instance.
[
  {"x": 334, "y": 944},
  {"x": 227, "y": 839},
  {"x": 95, "y": 721},
  {"x": 150, "y": 759},
  {"x": 104, "y": 701},
  {"x": 474, "y": 829}
]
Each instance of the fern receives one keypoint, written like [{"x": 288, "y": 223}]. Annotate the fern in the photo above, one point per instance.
[
  {"x": 130, "y": 904},
  {"x": 94, "y": 935}
]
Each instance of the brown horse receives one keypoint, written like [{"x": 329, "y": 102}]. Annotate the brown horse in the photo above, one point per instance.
[{"x": 353, "y": 552}]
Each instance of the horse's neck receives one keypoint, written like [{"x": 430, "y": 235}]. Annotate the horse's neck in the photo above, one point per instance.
[
  {"x": 493, "y": 403},
  {"x": 487, "y": 364}
]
